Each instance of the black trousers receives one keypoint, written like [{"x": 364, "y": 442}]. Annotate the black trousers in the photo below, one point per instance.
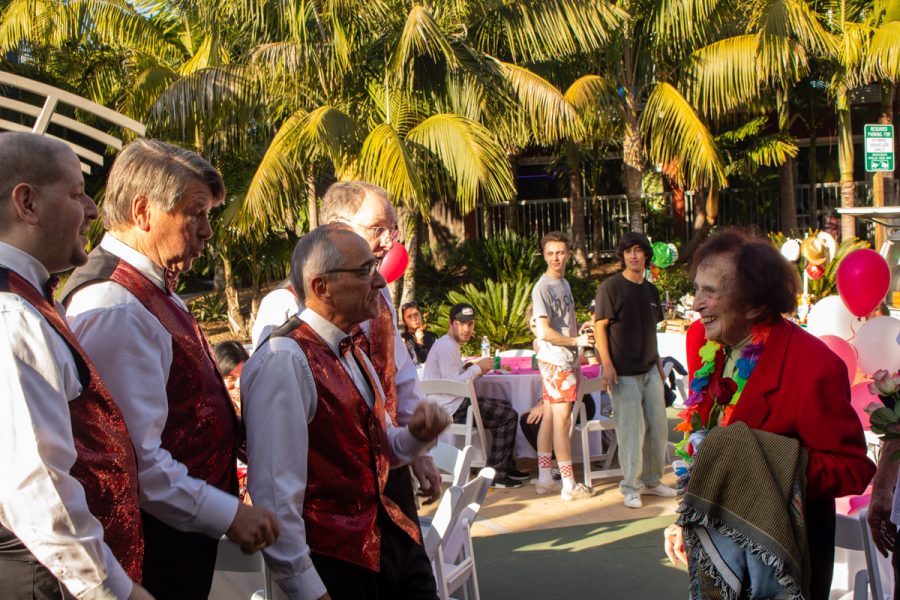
[
  {"x": 405, "y": 571},
  {"x": 820, "y": 534},
  {"x": 178, "y": 565},
  {"x": 399, "y": 488},
  {"x": 895, "y": 562},
  {"x": 22, "y": 576}
]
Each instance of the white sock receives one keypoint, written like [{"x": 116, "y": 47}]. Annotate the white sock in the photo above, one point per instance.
[
  {"x": 545, "y": 462},
  {"x": 567, "y": 473}
]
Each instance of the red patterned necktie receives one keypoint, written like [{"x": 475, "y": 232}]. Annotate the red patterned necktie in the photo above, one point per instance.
[
  {"x": 171, "y": 281},
  {"x": 352, "y": 343}
]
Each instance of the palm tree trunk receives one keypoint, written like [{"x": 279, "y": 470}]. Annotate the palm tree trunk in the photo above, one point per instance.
[
  {"x": 512, "y": 212},
  {"x": 788, "y": 203},
  {"x": 311, "y": 199},
  {"x": 632, "y": 164},
  {"x": 845, "y": 161},
  {"x": 236, "y": 322},
  {"x": 576, "y": 206},
  {"x": 411, "y": 226}
]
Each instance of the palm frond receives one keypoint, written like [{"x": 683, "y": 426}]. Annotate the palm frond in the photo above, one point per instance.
[
  {"x": 680, "y": 23},
  {"x": 794, "y": 19},
  {"x": 421, "y": 37},
  {"x": 884, "y": 51},
  {"x": 471, "y": 154},
  {"x": 550, "y": 118},
  {"x": 590, "y": 92},
  {"x": 674, "y": 131},
  {"x": 385, "y": 161}
]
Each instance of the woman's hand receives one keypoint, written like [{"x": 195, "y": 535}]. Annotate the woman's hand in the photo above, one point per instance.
[
  {"x": 535, "y": 414},
  {"x": 675, "y": 544}
]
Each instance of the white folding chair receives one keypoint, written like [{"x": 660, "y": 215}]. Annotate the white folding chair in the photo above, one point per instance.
[
  {"x": 878, "y": 567},
  {"x": 517, "y": 353},
  {"x": 679, "y": 383},
  {"x": 232, "y": 559},
  {"x": 584, "y": 427},
  {"x": 455, "y": 464},
  {"x": 448, "y": 542},
  {"x": 473, "y": 416}
]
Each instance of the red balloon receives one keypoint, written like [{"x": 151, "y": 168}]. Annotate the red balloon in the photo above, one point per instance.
[
  {"x": 814, "y": 271},
  {"x": 845, "y": 352},
  {"x": 394, "y": 264},
  {"x": 860, "y": 398},
  {"x": 863, "y": 279}
]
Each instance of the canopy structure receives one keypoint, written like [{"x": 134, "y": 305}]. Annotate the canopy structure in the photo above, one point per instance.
[{"x": 31, "y": 99}]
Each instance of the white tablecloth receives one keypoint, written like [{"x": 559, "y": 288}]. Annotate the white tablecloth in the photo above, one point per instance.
[{"x": 522, "y": 391}]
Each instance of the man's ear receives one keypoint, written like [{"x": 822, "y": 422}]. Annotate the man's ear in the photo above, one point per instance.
[
  {"x": 23, "y": 198},
  {"x": 319, "y": 287},
  {"x": 140, "y": 212}
]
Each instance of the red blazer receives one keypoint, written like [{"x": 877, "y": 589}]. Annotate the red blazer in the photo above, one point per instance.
[{"x": 799, "y": 388}]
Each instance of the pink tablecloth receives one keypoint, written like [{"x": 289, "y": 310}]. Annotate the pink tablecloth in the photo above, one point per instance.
[{"x": 521, "y": 365}]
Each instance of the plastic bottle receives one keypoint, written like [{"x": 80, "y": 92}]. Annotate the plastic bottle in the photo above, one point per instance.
[
  {"x": 485, "y": 347},
  {"x": 534, "y": 365},
  {"x": 497, "y": 358}
]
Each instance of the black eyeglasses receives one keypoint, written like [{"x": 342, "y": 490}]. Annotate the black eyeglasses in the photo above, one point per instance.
[{"x": 369, "y": 269}]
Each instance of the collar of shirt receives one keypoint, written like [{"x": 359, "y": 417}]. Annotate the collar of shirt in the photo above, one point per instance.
[
  {"x": 324, "y": 328},
  {"x": 24, "y": 264},
  {"x": 135, "y": 259}
]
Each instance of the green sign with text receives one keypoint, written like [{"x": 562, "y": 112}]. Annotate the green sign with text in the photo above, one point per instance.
[{"x": 879, "y": 145}]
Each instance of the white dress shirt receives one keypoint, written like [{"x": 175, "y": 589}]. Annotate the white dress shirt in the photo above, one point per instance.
[
  {"x": 280, "y": 305},
  {"x": 276, "y": 307},
  {"x": 279, "y": 399},
  {"x": 39, "y": 500},
  {"x": 445, "y": 362},
  {"x": 133, "y": 353}
]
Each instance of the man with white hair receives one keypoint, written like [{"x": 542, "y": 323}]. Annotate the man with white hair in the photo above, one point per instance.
[{"x": 159, "y": 367}]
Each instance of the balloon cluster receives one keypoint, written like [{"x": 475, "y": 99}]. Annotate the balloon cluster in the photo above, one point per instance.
[
  {"x": 818, "y": 250},
  {"x": 664, "y": 254},
  {"x": 864, "y": 343}
]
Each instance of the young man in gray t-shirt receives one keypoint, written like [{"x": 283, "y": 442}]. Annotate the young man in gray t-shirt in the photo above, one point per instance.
[{"x": 558, "y": 342}]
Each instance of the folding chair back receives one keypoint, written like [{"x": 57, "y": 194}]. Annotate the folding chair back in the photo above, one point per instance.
[
  {"x": 584, "y": 426},
  {"x": 455, "y": 464},
  {"x": 473, "y": 416}
]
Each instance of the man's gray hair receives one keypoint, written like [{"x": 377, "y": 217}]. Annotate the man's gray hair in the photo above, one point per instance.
[
  {"x": 343, "y": 199},
  {"x": 315, "y": 253},
  {"x": 158, "y": 171},
  {"x": 27, "y": 158}
]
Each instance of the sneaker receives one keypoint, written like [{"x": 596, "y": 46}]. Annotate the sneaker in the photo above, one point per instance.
[
  {"x": 661, "y": 490},
  {"x": 633, "y": 501},
  {"x": 555, "y": 474},
  {"x": 576, "y": 493},
  {"x": 551, "y": 487},
  {"x": 505, "y": 482},
  {"x": 518, "y": 475}
]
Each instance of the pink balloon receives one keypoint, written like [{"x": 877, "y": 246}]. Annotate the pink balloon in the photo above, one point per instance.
[
  {"x": 863, "y": 279},
  {"x": 860, "y": 398},
  {"x": 394, "y": 264},
  {"x": 845, "y": 351}
]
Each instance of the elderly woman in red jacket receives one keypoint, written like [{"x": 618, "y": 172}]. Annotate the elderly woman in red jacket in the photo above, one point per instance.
[{"x": 752, "y": 365}]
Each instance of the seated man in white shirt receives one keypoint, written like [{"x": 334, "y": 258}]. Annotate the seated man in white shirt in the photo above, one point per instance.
[
  {"x": 320, "y": 440},
  {"x": 64, "y": 478},
  {"x": 499, "y": 417},
  {"x": 157, "y": 364}
]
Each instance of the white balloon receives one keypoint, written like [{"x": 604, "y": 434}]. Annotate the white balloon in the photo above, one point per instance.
[
  {"x": 829, "y": 316},
  {"x": 790, "y": 249},
  {"x": 876, "y": 344}
]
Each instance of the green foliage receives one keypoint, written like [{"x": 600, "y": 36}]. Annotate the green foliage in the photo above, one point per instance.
[
  {"x": 211, "y": 307},
  {"x": 674, "y": 280},
  {"x": 499, "y": 311},
  {"x": 505, "y": 257}
]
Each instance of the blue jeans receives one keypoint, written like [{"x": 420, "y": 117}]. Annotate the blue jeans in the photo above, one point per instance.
[{"x": 639, "y": 409}]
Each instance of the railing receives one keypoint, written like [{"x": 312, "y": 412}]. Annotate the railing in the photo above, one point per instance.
[{"x": 606, "y": 218}]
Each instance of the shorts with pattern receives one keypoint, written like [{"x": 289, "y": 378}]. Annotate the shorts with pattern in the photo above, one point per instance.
[{"x": 560, "y": 383}]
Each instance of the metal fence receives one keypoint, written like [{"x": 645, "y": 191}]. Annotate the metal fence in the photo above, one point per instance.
[{"x": 606, "y": 217}]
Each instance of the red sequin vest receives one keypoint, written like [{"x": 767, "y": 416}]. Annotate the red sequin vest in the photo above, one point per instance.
[
  {"x": 348, "y": 463},
  {"x": 201, "y": 431},
  {"x": 105, "y": 465}
]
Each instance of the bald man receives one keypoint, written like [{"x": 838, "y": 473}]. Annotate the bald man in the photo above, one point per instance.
[{"x": 69, "y": 468}]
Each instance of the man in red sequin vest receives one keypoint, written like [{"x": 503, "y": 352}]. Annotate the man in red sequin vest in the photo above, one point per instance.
[
  {"x": 158, "y": 365},
  {"x": 365, "y": 209},
  {"x": 69, "y": 518},
  {"x": 321, "y": 440}
]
